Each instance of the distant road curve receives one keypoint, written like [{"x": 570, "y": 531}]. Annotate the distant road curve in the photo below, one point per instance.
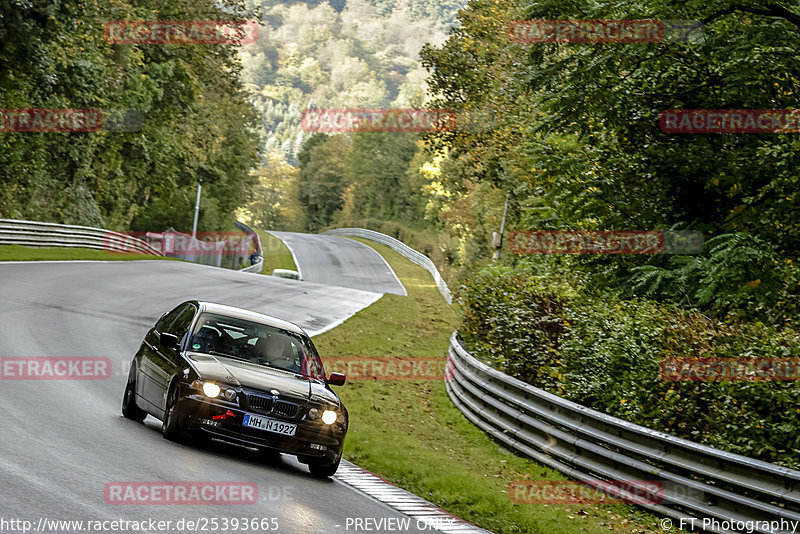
[
  {"x": 139, "y": 291},
  {"x": 339, "y": 261}
]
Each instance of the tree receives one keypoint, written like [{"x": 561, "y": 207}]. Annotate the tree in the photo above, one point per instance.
[
  {"x": 195, "y": 121},
  {"x": 274, "y": 201},
  {"x": 322, "y": 178},
  {"x": 378, "y": 163}
]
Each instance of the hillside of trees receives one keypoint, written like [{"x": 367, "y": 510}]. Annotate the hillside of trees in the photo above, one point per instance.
[
  {"x": 571, "y": 133},
  {"x": 363, "y": 54},
  {"x": 359, "y": 53},
  {"x": 196, "y": 121}
]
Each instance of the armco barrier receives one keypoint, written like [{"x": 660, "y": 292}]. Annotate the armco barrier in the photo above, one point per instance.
[
  {"x": 417, "y": 257},
  {"x": 41, "y": 234},
  {"x": 699, "y": 481}
]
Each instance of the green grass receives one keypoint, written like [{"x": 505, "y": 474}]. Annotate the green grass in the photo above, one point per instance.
[
  {"x": 22, "y": 253},
  {"x": 276, "y": 254},
  {"x": 410, "y": 432}
]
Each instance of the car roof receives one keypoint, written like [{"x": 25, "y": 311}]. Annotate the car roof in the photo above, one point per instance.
[{"x": 241, "y": 313}]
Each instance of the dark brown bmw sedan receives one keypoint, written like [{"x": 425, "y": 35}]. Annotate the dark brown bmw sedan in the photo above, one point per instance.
[{"x": 210, "y": 370}]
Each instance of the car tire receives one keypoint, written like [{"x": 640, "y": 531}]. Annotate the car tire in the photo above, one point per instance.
[
  {"x": 324, "y": 470},
  {"x": 129, "y": 408},
  {"x": 271, "y": 456},
  {"x": 171, "y": 425}
]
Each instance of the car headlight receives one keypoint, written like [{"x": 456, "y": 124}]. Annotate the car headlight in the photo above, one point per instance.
[
  {"x": 329, "y": 417},
  {"x": 214, "y": 391},
  {"x": 313, "y": 414},
  {"x": 211, "y": 390}
]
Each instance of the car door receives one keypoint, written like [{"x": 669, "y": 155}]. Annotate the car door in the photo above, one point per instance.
[
  {"x": 145, "y": 385},
  {"x": 159, "y": 363},
  {"x": 168, "y": 362}
]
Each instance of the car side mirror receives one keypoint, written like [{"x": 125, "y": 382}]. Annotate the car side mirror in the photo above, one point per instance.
[
  {"x": 337, "y": 379},
  {"x": 168, "y": 340}
]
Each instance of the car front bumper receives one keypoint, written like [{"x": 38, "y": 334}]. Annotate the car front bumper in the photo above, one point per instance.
[{"x": 313, "y": 440}]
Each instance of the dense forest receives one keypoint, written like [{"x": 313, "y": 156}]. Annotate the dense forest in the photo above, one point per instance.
[
  {"x": 359, "y": 53},
  {"x": 571, "y": 133},
  {"x": 227, "y": 116},
  {"x": 196, "y": 123},
  {"x": 575, "y": 140},
  {"x": 364, "y": 55}
]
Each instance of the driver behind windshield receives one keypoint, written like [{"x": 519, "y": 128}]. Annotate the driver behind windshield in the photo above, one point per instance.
[
  {"x": 276, "y": 351},
  {"x": 257, "y": 343}
]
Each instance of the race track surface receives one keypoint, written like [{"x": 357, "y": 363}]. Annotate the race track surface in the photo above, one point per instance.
[
  {"x": 338, "y": 261},
  {"x": 63, "y": 441}
]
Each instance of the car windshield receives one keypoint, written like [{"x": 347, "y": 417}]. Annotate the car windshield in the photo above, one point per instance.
[{"x": 257, "y": 343}]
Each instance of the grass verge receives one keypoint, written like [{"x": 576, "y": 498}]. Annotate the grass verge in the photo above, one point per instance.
[
  {"x": 410, "y": 432},
  {"x": 22, "y": 253},
  {"x": 276, "y": 253}
]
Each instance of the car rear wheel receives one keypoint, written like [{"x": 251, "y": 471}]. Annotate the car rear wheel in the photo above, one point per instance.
[
  {"x": 171, "y": 426},
  {"x": 129, "y": 408},
  {"x": 324, "y": 470}
]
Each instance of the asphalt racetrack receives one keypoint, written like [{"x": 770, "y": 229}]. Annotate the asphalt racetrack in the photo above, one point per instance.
[
  {"x": 64, "y": 441},
  {"x": 339, "y": 261}
]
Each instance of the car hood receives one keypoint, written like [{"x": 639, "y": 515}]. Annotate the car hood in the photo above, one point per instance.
[
  {"x": 319, "y": 393},
  {"x": 248, "y": 375}
]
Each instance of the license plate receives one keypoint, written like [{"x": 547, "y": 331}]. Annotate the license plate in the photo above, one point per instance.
[{"x": 270, "y": 425}]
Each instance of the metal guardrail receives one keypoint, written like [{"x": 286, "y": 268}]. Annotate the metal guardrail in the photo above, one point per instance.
[
  {"x": 698, "y": 481},
  {"x": 41, "y": 234},
  {"x": 398, "y": 246}
]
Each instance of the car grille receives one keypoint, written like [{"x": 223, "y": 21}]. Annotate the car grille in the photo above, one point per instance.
[
  {"x": 286, "y": 409},
  {"x": 263, "y": 404},
  {"x": 267, "y": 406}
]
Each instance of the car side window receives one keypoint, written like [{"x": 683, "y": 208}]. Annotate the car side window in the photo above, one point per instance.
[
  {"x": 168, "y": 319},
  {"x": 182, "y": 322}
]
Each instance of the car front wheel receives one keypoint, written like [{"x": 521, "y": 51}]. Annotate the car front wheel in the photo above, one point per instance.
[
  {"x": 324, "y": 470},
  {"x": 129, "y": 408},
  {"x": 171, "y": 426}
]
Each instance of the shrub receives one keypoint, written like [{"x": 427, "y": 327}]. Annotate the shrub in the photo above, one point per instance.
[
  {"x": 604, "y": 352},
  {"x": 740, "y": 275},
  {"x": 499, "y": 301}
]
